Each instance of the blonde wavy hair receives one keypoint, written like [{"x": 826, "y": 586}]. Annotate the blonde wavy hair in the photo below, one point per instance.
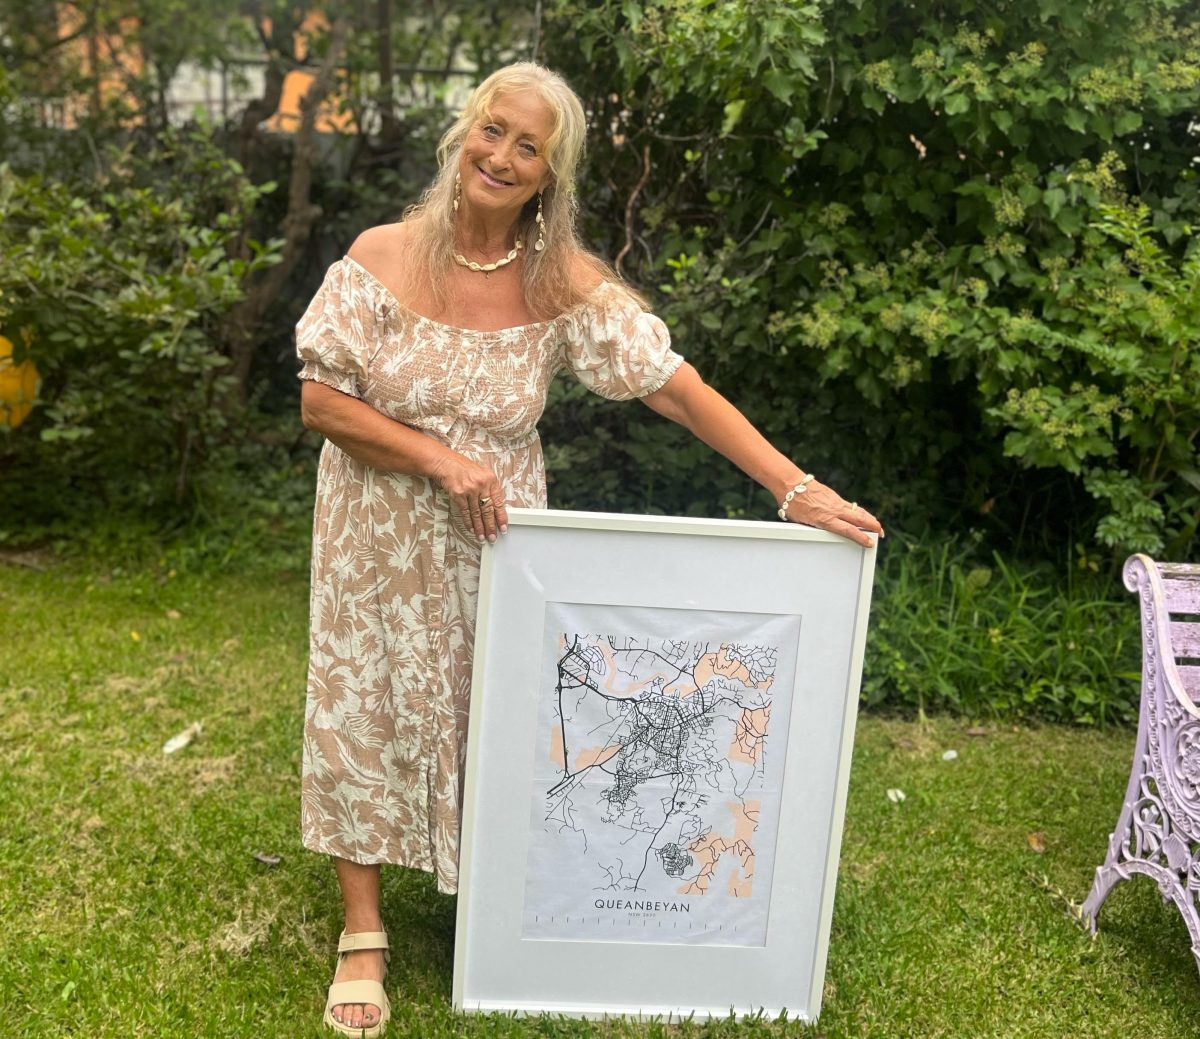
[{"x": 551, "y": 279}]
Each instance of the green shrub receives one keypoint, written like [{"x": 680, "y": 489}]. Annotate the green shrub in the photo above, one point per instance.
[
  {"x": 114, "y": 289},
  {"x": 249, "y": 510},
  {"x": 988, "y": 638},
  {"x": 944, "y": 253}
]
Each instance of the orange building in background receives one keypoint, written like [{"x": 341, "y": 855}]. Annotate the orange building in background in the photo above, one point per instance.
[
  {"x": 331, "y": 118},
  {"x": 114, "y": 58}
]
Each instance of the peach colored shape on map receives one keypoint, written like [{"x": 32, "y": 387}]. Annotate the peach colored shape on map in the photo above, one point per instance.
[
  {"x": 590, "y": 756},
  {"x": 709, "y": 849},
  {"x": 721, "y": 663},
  {"x": 750, "y": 734},
  {"x": 558, "y": 753}
]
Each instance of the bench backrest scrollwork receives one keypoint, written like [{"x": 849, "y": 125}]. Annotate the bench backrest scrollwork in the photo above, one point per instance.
[
  {"x": 1170, "y": 598},
  {"x": 1169, "y": 595}
]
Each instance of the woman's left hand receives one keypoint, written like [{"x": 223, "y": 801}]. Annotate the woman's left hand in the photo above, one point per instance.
[{"x": 822, "y": 506}]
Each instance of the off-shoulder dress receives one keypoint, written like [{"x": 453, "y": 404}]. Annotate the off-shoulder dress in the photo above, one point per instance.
[{"x": 395, "y": 574}]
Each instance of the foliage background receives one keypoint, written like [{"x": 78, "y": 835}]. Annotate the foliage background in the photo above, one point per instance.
[
  {"x": 942, "y": 256},
  {"x": 947, "y": 257}
]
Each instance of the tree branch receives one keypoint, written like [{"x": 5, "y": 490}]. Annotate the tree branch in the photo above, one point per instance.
[
  {"x": 629, "y": 208},
  {"x": 279, "y": 45},
  {"x": 243, "y": 321}
]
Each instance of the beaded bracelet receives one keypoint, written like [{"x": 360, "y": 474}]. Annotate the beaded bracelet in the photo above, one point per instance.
[{"x": 800, "y": 488}]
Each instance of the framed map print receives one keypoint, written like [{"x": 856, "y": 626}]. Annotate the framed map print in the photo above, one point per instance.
[{"x": 661, "y": 723}]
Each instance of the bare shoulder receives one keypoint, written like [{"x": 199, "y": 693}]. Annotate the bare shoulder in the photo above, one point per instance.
[
  {"x": 375, "y": 248},
  {"x": 589, "y": 272}
]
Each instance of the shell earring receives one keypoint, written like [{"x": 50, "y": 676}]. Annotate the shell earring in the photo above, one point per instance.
[
  {"x": 457, "y": 190},
  {"x": 540, "y": 244}
]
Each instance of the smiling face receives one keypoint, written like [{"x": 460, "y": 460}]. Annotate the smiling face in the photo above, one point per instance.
[{"x": 503, "y": 161}]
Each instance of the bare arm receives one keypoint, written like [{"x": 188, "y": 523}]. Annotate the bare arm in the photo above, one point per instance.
[
  {"x": 688, "y": 400},
  {"x": 372, "y": 438}
]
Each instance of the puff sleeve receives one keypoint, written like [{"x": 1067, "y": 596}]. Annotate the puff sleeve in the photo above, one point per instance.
[
  {"x": 335, "y": 336},
  {"x": 616, "y": 349}
]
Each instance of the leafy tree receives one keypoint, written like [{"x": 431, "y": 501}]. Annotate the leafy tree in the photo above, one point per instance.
[
  {"x": 944, "y": 251},
  {"x": 117, "y": 295},
  {"x": 151, "y": 270}
]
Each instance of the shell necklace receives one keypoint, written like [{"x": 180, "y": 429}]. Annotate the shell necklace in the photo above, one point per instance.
[{"x": 487, "y": 268}]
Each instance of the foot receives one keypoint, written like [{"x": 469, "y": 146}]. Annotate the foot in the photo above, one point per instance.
[{"x": 361, "y": 965}]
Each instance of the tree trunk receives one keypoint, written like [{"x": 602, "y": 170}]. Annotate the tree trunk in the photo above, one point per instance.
[
  {"x": 280, "y": 46},
  {"x": 387, "y": 114},
  {"x": 95, "y": 102},
  {"x": 242, "y": 324}
]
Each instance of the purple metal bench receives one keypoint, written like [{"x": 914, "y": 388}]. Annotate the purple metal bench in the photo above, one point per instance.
[{"x": 1158, "y": 833}]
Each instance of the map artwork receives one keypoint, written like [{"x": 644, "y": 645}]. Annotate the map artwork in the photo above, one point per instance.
[{"x": 656, "y": 794}]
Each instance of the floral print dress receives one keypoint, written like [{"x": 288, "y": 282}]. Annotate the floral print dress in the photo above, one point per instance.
[{"x": 395, "y": 574}]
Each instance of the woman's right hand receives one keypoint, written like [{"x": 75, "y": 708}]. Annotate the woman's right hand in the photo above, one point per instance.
[
  {"x": 476, "y": 493},
  {"x": 822, "y": 507}
]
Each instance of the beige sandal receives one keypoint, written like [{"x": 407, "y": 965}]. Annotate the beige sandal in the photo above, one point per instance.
[{"x": 365, "y": 991}]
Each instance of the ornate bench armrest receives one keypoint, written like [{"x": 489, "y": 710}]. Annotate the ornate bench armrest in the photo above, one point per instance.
[{"x": 1179, "y": 593}]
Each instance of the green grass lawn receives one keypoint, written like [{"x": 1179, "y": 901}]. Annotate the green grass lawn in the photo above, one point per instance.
[{"x": 132, "y": 903}]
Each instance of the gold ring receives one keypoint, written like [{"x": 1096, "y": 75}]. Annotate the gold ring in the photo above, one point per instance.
[
  {"x": 484, "y": 501},
  {"x": 854, "y": 506}
]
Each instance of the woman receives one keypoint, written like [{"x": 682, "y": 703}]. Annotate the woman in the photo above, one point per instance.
[{"x": 427, "y": 354}]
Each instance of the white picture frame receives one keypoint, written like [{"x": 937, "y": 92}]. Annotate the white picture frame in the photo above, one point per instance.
[{"x": 521, "y": 946}]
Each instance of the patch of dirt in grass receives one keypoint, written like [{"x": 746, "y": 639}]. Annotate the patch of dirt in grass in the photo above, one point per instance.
[
  {"x": 89, "y": 826},
  {"x": 208, "y": 771},
  {"x": 254, "y": 914},
  {"x": 198, "y": 772},
  {"x": 862, "y": 869},
  {"x": 917, "y": 742},
  {"x": 154, "y": 682},
  {"x": 311, "y": 935},
  {"x": 248, "y": 929},
  {"x": 16, "y": 724},
  {"x": 39, "y": 559}
]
